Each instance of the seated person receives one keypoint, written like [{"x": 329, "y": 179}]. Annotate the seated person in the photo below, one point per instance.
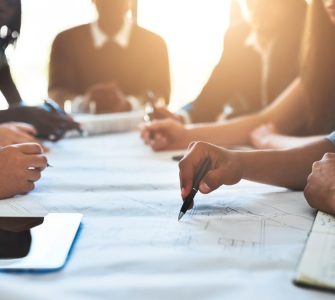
[
  {"x": 306, "y": 108},
  {"x": 111, "y": 63},
  {"x": 259, "y": 61},
  {"x": 21, "y": 167},
  {"x": 49, "y": 125},
  {"x": 287, "y": 168}
]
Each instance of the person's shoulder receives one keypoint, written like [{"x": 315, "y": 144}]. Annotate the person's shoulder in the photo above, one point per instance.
[
  {"x": 73, "y": 33},
  {"x": 239, "y": 29},
  {"x": 147, "y": 35}
]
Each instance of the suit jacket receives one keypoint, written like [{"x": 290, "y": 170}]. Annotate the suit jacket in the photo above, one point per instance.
[
  {"x": 237, "y": 79},
  {"x": 76, "y": 65}
]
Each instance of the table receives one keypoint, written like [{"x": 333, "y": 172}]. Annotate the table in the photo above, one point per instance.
[{"x": 241, "y": 242}]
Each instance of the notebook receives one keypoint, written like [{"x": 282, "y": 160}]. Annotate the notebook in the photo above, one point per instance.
[
  {"x": 317, "y": 264},
  {"x": 108, "y": 123}
]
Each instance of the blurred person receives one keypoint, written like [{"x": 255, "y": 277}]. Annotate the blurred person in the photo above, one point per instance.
[
  {"x": 306, "y": 108},
  {"x": 48, "y": 124},
  {"x": 259, "y": 61},
  {"x": 111, "y": 63},
  {"x": 310, "y": 167}
]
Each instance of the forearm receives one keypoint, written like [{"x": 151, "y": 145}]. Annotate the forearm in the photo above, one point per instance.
[
  {"x": 234, "y": 132},
  {"x": 287, "y": 168}
]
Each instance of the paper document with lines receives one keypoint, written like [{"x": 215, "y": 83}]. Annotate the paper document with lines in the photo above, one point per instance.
[
  {"x": 108, "y": 123},
  {"x": 317, "y": 266}
]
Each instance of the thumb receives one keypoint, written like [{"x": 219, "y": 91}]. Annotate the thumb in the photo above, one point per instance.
[
  {"x": 225, "y": 174},
  {"x": 211, "y": 181}
]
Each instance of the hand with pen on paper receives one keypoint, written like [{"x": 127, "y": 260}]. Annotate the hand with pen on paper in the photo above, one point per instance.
[
  {"x": 224, "y": 167},
  {"x": 21, "y": 166}
]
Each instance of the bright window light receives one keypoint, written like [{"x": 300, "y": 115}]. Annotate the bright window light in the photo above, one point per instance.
[{"x": 193, "y": 30}]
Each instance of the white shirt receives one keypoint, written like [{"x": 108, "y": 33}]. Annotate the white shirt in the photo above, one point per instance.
[{"x": 121, "y": 38}]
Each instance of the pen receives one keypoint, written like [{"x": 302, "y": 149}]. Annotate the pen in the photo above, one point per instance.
[
  {"x": 150, "y": 110},
  {"x": 188, "y": 200}
]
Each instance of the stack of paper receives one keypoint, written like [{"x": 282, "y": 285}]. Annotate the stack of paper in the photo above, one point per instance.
[{"x": 317, "y": 266}]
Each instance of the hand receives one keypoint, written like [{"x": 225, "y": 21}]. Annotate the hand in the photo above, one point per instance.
[
  {"x": 164, "y": 135},
  {"x": 108, "y": 98},
  {"x": 225, "y": 168},
  {"x": 49, "y": 124},
  {"x": 21, "y": 166},
  {"x": 261, "y": 137},
  {"x": 16, "y": 133},
  {"x": 161, "y": 112},
  {"x": 320, "y": 188}
]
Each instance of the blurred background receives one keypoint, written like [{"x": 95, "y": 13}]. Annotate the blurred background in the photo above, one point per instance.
[{"x": 192, "y": 29}]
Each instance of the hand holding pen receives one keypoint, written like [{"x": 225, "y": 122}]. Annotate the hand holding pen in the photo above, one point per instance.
[
  {"x": 65, "y": 122},
  {"x": 205, "y": 168}
]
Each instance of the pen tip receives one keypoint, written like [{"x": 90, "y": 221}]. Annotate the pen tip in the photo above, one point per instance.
[{"x": 181, "y": 214}]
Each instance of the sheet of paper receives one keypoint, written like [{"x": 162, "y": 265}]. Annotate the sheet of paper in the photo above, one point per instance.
[
  {"x": 19, "y": 207},
  {"x": 241, "y": 242},
  {"x": 108, "y": 123},
  {"x": 317, "y": 266}
]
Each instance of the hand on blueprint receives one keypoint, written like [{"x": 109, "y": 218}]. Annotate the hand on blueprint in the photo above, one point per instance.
[
  {"x": 21, "y": 166},
  {"x": 225, "y": 168},
  {"x": 320, "y": 188},
  {"x": 107, "y": 98},
  {"x": 16, "y": 133},
  {"x": 166, "y": 134}
]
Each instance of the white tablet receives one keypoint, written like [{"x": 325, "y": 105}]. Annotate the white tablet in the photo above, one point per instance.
[{"x": 37, "y": 243}]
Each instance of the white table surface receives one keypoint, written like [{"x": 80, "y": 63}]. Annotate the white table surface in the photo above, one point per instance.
[{"x": 241, "y": 242}]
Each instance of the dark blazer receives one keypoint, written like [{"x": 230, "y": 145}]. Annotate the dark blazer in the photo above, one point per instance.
[
  {"x": 76, "y": 65},
  {"x": 236, "y": 80}
]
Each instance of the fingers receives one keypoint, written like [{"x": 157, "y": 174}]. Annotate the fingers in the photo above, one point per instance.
[
  {"x": 188, "y": 167},
  {"x": 39, "y": 162},
  {"x": 30, "y": 148},
  {"x": 27, "y": 128},
  {"x": 33, "y": 175}
]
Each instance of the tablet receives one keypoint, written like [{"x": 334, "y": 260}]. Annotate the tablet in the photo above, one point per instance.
[{"x": 37, "y": 243}]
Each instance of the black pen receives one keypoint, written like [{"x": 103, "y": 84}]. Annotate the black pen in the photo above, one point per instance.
[{"x": 189, "y": 199}]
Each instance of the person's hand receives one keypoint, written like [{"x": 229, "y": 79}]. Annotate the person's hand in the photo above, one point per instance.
[
  {"x": 161, "y": 112},
  {"x": 164, "y": 135},
  {"x": 261, "y": 137},
  {"x": 320, "y": 188},
  {"x": 21, "y": 166},
  {"x": 50, "y": 125},
  {"x": 225, "y": 168},
  {"x": 107, "y": 98},
  {"x": 17, "y": 133}
]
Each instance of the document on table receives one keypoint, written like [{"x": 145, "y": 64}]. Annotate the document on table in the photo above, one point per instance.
[
  {"x": 317, "y": 266},
  {"x": 19, "y": 207},
  {"x": 108, "y": 123}
]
